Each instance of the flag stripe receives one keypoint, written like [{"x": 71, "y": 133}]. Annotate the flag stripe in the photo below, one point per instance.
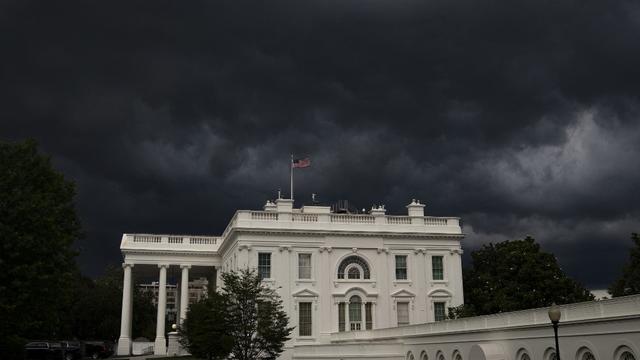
[{"x": 301, "y": 163}]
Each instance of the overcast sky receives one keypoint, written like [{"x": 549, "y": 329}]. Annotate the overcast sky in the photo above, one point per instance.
[{"x": 521, "y": 117}]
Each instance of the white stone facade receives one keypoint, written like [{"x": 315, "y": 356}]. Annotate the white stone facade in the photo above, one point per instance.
[{"x": 395, "y": 269}]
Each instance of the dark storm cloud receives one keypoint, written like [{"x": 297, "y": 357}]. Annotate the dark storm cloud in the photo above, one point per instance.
[{"x": 521, "y": 117}]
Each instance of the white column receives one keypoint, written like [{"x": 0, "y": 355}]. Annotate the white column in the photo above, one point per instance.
[
  {"x": 219, "y": 282},
  {"x": 131, "y": 289},
  {"x": 124, "y": 342},
  {"x": 184, "y": 292},
  {"x": 456, "y": 278},
  {"x": 160, "y": 347},
  {"x": 347, "y": 326},
  {"x": 373, "y": 316},
  {"x": 363, "y": 315}
]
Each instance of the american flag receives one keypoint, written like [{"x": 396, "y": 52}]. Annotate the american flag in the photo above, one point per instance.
[{"x": 301, "y": 163}]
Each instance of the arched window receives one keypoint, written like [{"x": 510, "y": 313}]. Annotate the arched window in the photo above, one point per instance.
[
  {"x": 441, "y": 357},
  {"x": 355, "y": 313},
  {"x": 627, "y": 355},
  {"x": 550, "y": 354},
  {"x": 525, "y": 356},
  {"x": 423, "y": 356},
  {"x": 353, "y": 266},
  {"x": 410, "y": 356},
  {"x": 458, "y": 357},
  {"x": 353, "y": 273},
  {"x": 587, "y": 355}
]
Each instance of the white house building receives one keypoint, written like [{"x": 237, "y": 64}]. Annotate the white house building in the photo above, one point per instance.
[
  {"x": 371, "y": 286},
  {"x": 335, "y": 272}
]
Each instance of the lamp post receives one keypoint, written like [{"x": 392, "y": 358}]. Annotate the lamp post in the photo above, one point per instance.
[{"x": 554, "y": 316}]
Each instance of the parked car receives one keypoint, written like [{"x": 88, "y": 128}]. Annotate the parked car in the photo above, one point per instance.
[
  {"x": 52, "y": 350},
  {"x": 98, "y": 349},
  {"x": 72, "y": 350}
]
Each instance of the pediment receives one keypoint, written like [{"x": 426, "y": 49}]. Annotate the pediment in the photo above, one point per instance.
[
  {"x": 355, "y": 290},
  {"x": 305, "y": 293},
  {"x": 440, "y": 292},
  {"x": 403, "y": 293}
]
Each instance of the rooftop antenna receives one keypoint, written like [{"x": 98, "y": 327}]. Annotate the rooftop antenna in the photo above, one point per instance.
[
  {"x": 313, "y": 197},
  {"x": 279, "y": 193}
]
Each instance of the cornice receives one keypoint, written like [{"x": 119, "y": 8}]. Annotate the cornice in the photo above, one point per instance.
[
  {"x": 343, "y": 233},
  {"x": 168, "y": 252}
]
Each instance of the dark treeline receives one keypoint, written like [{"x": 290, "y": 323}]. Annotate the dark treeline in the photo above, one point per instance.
[{"x": 42, "y": 293}]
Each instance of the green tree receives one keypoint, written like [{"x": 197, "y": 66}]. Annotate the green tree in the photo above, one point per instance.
[
  {"x": 629, "y": 282},
  {"x": 204, "y": 330},
  {"x": 246, "y": 318},
  {"x": 38, "y": 226},
  {"x": 255, "y": 316},
  {"x": 515, "y": 275}
]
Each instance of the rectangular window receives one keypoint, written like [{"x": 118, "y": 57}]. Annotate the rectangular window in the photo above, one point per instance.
[
  {"x": 438, "y": 269},
  {"x": 438, "y": 311},
  {"x": 401, "y": 267},
  {"x": 304, "y": 318},
  {"x": 368, "y": 315},
  {"x": 304, "y": 266},
  {"x": 341, "y": 309},
  {"x": 403, "y": 313},
  {"x": 264, "y": 265}
]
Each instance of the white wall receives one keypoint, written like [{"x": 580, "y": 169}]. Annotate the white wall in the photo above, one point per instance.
[{"x": 606, "y": 328}]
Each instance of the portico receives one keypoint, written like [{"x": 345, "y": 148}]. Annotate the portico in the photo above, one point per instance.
[{"x": 155, "y": 256}]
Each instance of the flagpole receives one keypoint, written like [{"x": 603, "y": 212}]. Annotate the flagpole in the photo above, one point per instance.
[{"x": 291, "y": 183}]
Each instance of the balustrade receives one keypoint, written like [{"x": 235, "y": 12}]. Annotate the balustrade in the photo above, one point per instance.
[
  {"x": 399, "y": 220},
  {"x": 402, "y": 223},
  {"x": 264, "y": 216},
  {"x": 147, "y": 238},
  {"x": 352, "y": 219},
  {"x": 305, "y": 217},
  {"x": 175, "y": 239},
  {"x": 203, "y": 240},
  {"x": 433, "y": 221}
]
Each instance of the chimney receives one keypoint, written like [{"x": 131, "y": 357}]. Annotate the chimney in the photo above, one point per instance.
[
  {"x": 284, "y": 205},
  {"x": 415, "y": 209}
]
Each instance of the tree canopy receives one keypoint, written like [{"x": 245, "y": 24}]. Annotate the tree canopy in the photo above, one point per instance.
[
  {"x": 104, "y": 296},
  {"x": 629, "y": 281},
  {"x": 245, "y": 320},
  {"x": 38, "y": 226},
  {"x": 515, "y": 275},
  {"x": 205, "y": 328}
]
